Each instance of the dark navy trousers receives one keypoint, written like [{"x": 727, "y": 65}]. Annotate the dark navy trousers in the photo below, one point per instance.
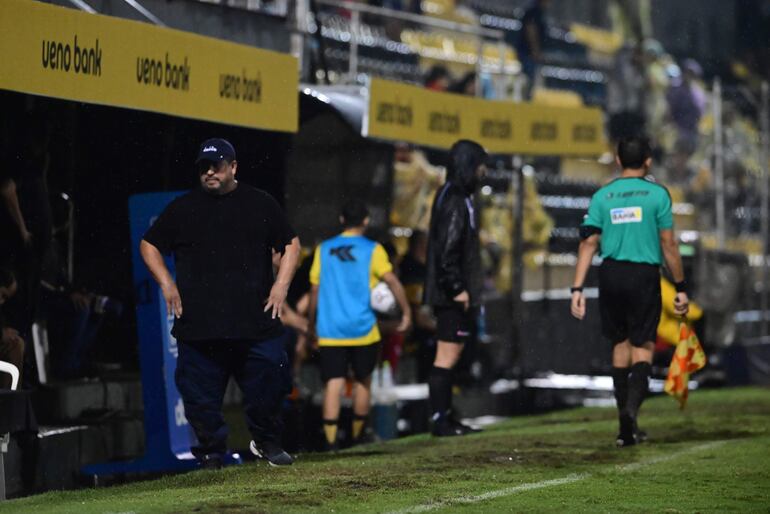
[{"x": 261, "y": 370}]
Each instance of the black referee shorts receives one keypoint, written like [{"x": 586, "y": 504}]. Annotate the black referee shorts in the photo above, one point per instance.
[
  {"x": 335, "y": 361},
  {"x": 629, "y": 301}
]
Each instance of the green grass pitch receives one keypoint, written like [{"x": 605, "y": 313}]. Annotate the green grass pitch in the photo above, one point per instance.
[{"x": 713, "y": 457}]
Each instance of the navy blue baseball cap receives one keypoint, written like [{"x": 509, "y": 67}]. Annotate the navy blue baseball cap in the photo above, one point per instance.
[{"x": 215, "y": 150}]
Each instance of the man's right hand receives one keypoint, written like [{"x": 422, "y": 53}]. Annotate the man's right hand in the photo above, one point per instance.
[
  {"x": 173, "y": 300},
  {"x": 578, "y": 306},
  {"x": 26, "y": 238},
  {"x": 463, "y": 298}
]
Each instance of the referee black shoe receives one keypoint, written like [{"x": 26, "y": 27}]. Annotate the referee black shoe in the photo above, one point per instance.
[
  {"x": 626, "y": 437},
  {"x": 621, "y": 441},
  {"x": 272, "y": 453},
  {"x": 641, "y": 435}
]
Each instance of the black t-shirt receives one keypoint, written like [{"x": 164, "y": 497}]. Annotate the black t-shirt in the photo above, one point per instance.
[{"x": 222, "y": 247}]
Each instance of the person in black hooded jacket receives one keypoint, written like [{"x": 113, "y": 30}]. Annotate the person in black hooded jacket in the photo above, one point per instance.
[{"x": 453, "y": 276}]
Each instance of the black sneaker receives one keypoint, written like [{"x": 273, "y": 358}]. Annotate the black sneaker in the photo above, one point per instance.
[
  {"x": 626, "y": 437},
  {"x": 447, "y": 429},
  {"x": 367, "y": 437},
  {"x": 272, "y": 453},
  {"x": 210, "y": 461},
  {"x": 331, "y": 448},
  {"x": 467, "y": 429}
]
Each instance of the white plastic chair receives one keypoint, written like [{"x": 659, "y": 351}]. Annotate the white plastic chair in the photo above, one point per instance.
[{"x": 7, "y": 367}]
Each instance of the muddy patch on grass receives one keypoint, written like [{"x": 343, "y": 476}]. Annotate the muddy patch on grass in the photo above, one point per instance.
[
  {"x": 361, "y": 453},
  {"x": 232, "y": 508},
  {"x": 571, "y": 421},
  {"x": 359, "y": 485},
  {"x": 603, "y": 457},
  {"x": 369, "y": 482},
  {"x": 688, "y": 434},
  {"x": 549, "y": 459}
]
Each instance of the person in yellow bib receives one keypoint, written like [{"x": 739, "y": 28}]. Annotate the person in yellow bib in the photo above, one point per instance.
[{"x": 345, "y": 269}]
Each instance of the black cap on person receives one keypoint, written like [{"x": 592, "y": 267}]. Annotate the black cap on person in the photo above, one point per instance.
[{"x": 215, "y": 150}]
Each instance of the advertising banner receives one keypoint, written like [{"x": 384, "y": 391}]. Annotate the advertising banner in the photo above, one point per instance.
[
  {"x": 64, "y": 53},
  {"x": 401, "y": 112}
]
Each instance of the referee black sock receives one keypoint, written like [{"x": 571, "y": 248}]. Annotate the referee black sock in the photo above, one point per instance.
[
  {"x": 440, "y": 388},
  {"x": 638, "y": 384},
  {"x": 620, "y": 383}
]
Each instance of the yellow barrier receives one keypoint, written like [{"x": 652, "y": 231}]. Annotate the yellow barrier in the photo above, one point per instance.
[
  {"x": 63, "y": 53},
  {"x": 400, "y": 112},
  {"x": 597, "y": 39}
]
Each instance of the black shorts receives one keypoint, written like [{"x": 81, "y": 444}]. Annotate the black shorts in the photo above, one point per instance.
[
  {"x": 454, "y": 324},
  {"x": 335, "y": 361},
  {"x": 629, "y": 301}
]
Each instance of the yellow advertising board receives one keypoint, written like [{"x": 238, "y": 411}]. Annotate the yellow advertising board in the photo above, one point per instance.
[
  {"x": 64, "y": 53},
  {"x": 402, "y": 112}
]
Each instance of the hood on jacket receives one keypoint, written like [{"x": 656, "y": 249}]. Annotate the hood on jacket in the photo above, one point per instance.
[{"x": 464, "y": 158}]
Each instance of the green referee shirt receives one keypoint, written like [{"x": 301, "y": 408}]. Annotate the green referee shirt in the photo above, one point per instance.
[{"x": 630, "y": 212}]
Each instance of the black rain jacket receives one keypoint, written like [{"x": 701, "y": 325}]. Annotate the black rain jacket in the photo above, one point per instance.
[{"x": 454, "y": 261}]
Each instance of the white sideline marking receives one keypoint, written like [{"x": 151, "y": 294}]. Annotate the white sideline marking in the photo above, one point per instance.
[
  {"x": 625, "y": 468},
  {"x": 569, "y": 479},
  {"x": 492, "y": 494}
]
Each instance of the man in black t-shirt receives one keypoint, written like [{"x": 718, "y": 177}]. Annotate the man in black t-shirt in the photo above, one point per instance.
[{"x": 226, "y": 301}]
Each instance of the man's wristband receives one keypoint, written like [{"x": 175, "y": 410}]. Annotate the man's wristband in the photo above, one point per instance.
[
  {"x": 681, "y": 287},
  {"x": 576, "y": 289}
]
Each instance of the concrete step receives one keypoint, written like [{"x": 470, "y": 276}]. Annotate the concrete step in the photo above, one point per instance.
[
  {"x": 67, "y": 401},
  {"x": 52, "y": 459}
]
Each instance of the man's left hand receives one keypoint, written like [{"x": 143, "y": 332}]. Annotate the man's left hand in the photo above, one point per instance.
[
  {"x": 275, "y": 301},
  {"x": 681, "y": 304}
]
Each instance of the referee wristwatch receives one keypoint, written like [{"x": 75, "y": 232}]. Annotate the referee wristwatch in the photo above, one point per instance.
[{"x": 574, "y": 290}]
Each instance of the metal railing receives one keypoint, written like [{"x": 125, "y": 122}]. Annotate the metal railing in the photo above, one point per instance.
[
  {"x": 356, "y": 10},
  {"x": 138, "y": 7},
  {"x": 765, "y": 206},
  {"x": 724, "y": 209}
]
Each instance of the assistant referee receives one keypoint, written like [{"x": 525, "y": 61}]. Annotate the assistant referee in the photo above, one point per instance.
[{"x": 630, "y": 220}]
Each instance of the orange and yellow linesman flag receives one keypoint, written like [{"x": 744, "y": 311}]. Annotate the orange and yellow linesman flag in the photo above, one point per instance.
[{"x": 688, "y": 358}]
